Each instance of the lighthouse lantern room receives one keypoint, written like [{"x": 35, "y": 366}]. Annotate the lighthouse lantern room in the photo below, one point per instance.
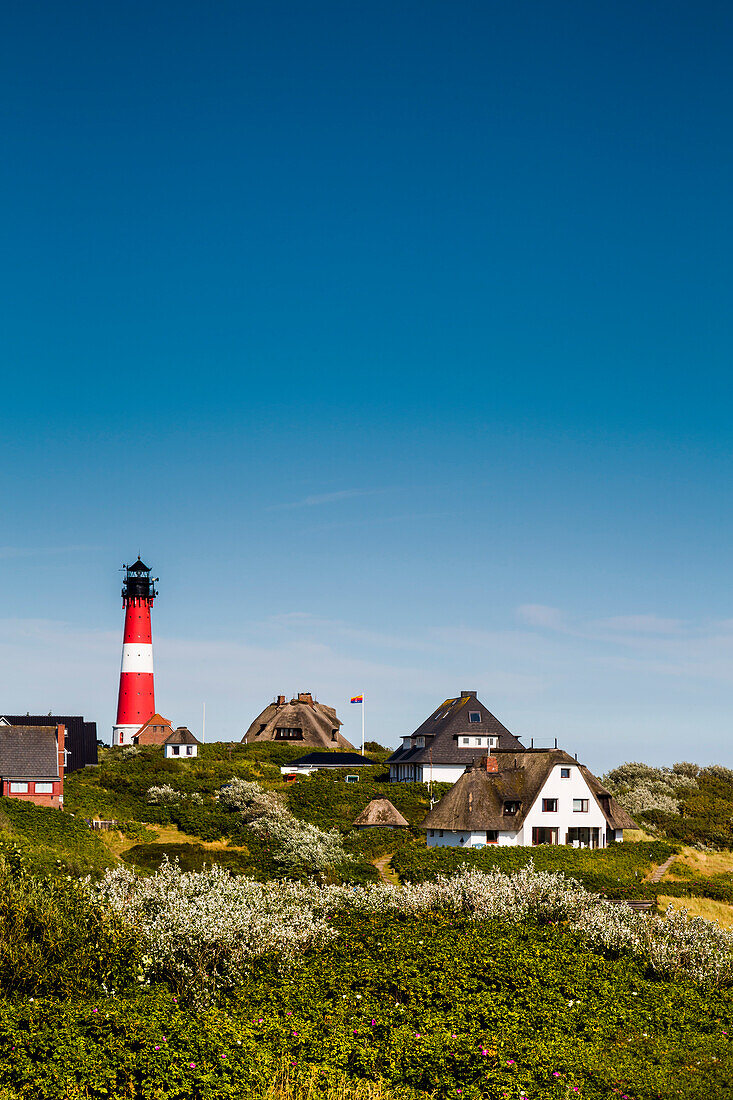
[{"x": 136, "y": 701}]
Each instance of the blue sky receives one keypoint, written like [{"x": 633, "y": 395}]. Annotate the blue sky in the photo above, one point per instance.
[{"x": 397, "y": 337}]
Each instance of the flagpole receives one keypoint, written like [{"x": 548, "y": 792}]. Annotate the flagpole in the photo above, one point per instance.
[{"x": 363, "y": 704}]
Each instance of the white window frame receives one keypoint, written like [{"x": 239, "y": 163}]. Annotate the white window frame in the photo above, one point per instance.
[
  {"x": 18, "y": 787},
  {"x": 43, "y": 788},
  {"x": 584, "y": 806}
]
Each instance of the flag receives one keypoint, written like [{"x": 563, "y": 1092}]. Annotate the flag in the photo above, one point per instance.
[{"x": 357, "y": 698}]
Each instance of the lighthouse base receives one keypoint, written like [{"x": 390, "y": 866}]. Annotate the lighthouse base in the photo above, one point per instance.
[{"x": 123, "y": 735}]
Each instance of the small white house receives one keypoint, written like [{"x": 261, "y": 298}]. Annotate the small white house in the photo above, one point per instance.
[
  {"x": 181, "y": 745},
  {"x": 539, "y": 796}
]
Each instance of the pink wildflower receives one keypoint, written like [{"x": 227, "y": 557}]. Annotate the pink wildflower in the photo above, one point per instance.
[
  {"x": 157, "y": 1048},
  {"x": 94, "y": 1010},
  {"x": 556, "y": 1073},
  {"x": 417, "y": 1034},
  {"x": 373, "y": 1022},
  {"x": 192, "y": 1065},
  {"x": 511, "y": 1062}
]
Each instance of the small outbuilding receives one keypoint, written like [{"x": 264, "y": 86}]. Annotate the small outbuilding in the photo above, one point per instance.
[
  {"x": 381, "y": 814},
  {"x": 181, "y": 743}
]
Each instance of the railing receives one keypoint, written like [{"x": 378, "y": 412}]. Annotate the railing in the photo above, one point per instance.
[{"x": 101, "y": 825}]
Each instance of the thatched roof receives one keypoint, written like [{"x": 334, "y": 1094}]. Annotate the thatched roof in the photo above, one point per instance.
[
  {"x": 380, "y": 811},
  {"x": 476, "y": 801},
  {"x": 182, "y": 736},
  {"x": 302, "y": 721}
]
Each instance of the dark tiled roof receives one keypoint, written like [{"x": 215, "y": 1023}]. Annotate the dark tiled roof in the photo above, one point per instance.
[
  {"x": 81, "y": 736},
  {"x": 138, "y": 567},
  {"x": 476, "y": 801},
  {"x": 449, "y": 722},
  {"x": 28, "y": 752},
  {"x": 335, "y": 760},
  {"x": 181, "y": 736}
]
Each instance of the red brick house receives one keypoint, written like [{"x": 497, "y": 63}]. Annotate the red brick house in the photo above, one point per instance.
[
  {"x": 32, "y": 763},
  {"x": 153, "y": 732}
]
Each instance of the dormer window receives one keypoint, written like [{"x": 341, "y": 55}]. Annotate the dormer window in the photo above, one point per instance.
[
  {"x": 474, "y": 716},
  {"x": 288, "y": 733},
  {"x": 511, "y": 808},
  {"x": 420, "y": 742},
  {"x": 465, "y": 740}
]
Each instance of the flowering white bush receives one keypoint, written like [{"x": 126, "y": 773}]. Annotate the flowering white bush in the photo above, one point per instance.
[
  {"x": 201, "y": 929},
  {"x": 297, "y": 842},
  {"x": 157, "y": 796},
  {"x": 639, "y": 787}
]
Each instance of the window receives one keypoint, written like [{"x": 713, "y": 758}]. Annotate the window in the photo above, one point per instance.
[
  {"x": 334, "y": 735},
  {"x": 549, "y": 805},
  {"x": 189, "y": 750},
  {"x": 44, "y": 788},
  {"x": 564, "y": 773},
  {"x": 465, "y": 740},
  {"x": 176, "y": 749},
  {"x": 420, "y": 742},
  {"x": 432, "y": 832},
  {"x": 474, "y": 716},
  {"x": 462, "y": 840},
  {"x": 440, "y": 833},
  {"x": 352, "y": 778},
  {"x": 580, "y": 805},
  {"x": 19, "y": 788},
  {"x": 492, "y": 836},
  {"x": 511, "y": 808},
  {"x": 288, "y": 733},
  {"x": 492, "y": 742}
]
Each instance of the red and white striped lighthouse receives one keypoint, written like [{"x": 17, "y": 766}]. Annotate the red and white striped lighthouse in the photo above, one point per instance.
[{"x": 136, "y": 702}]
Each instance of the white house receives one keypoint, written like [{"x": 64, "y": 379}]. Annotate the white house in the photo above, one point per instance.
[
  {"x": 181, "y": 744},
  {"x": 538, "y": 796},
  {"x": 460, "y": 731}
]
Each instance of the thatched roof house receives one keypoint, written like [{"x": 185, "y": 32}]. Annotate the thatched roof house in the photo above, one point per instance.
[
  {"x": 380, "y": 814},
  {"x": 539, "y": 796},
  {"x": 301, "y": 721},
  {"x": 181, "y": 743}
]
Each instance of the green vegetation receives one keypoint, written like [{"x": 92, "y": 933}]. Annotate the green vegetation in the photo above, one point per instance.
[
  {"x": 50, "y": 840},
  {"x": 395, "y": 1006},
  {"x": 536, "y": 1015}
]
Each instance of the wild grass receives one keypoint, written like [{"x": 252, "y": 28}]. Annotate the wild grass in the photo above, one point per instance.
[
  {"x": 700, "y": 907},
  {"x": 312, "y": 1086}
]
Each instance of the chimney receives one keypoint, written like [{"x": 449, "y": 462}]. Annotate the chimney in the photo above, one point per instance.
[
  {"x": 468, "y": 695},
  {"x": 280, "y": 700},
  {"x": 305, "y": 697},
  {"x": 61, "y": 749},
  {"x": 492, "y": 764}
]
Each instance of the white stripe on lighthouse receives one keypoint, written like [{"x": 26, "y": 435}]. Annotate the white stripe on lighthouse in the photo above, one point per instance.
[{"x": 137, "y": 657}]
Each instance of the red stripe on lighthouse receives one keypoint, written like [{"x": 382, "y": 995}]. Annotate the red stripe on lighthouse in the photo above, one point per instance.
[{"x": 136, "y": 699}]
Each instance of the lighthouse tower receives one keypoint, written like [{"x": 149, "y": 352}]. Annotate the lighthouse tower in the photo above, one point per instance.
[{"x": 136, "y": 701}]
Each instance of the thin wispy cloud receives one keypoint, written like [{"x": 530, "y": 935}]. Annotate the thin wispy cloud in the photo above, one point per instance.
[
  {"x": 315, "y": 500},
  {"x": 7, "y": 552},
  {"x": 641, "y": 624},
  {"x": 537, "y": 614}
]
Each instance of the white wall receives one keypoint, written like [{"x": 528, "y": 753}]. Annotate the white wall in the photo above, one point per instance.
[
  {"x": 451, "y": 839},
  {"x": 564, "y": 790},
  {"x": 182, "y": 755}
]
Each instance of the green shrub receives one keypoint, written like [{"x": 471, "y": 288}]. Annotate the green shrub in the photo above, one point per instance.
[{"x": 55, "y": 939}]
